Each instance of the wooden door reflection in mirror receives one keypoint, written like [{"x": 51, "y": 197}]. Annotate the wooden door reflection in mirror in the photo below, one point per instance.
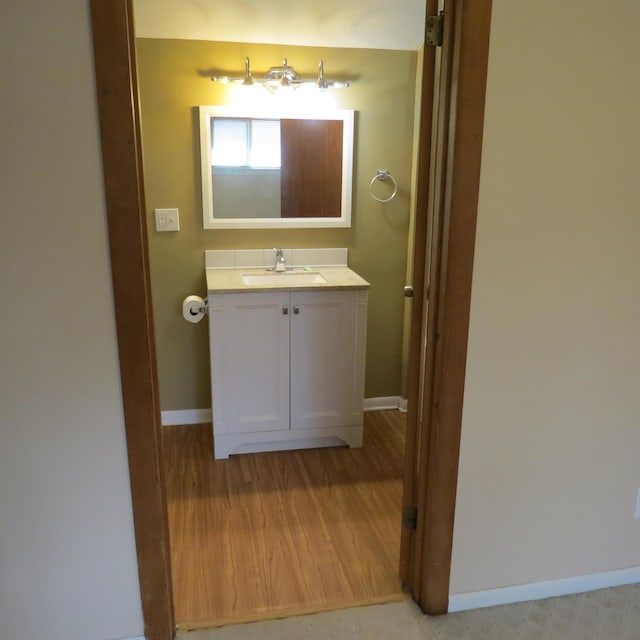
[{"x": 311, "y": 169}]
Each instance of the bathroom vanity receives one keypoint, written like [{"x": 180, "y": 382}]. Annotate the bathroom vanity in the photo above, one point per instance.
[{"x": 287, "y": 352}]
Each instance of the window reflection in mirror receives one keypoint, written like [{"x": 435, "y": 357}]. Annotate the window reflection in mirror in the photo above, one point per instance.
[
  {"x": 262, "y": 170},
  {"x": 242, "y": 142}
]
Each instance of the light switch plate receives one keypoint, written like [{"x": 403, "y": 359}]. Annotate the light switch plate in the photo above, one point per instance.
[{"x": 167, "y": 219}]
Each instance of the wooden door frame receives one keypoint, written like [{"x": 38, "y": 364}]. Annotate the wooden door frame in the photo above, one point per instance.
[
  {"x": 467, "y": 27},
  {"x": 117, "y": 94}
]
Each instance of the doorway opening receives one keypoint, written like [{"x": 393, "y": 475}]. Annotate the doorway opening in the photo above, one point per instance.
[
  {"x": 239, "y": 526},
  {"x": 436, "y": 466}
]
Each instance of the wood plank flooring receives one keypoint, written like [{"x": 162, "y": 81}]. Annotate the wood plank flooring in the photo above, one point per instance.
[{"x": 272, "y": 534}]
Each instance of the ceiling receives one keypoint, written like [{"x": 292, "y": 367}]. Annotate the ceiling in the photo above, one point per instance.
[{"x": 370, "y": 24}]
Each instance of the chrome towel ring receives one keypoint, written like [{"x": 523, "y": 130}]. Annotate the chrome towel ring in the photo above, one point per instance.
[{"x": 383, "y": 175}]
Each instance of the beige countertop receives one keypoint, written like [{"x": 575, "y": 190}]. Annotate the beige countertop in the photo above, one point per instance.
[{"x": 232, "y": 281}]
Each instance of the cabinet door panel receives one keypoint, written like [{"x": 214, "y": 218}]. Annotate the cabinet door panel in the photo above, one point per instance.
[
  {"x": 322, "y": 359},
  {"x": 249, "y": 336}
]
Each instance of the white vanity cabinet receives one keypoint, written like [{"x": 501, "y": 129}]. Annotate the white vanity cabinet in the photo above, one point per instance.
[{"x": 287, "y": 369}]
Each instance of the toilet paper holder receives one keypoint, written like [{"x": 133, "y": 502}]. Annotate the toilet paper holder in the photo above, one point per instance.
[
  {"x": 203, "y": 308},
  {"x": 194, "y": 308}
]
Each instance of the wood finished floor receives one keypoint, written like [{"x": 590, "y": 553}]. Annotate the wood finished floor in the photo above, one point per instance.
[{"x": 266, "y": 535}]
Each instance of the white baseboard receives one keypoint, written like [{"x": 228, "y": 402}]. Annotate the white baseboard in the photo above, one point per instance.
[
  {"x": 198, "y": 416},
  {"x": 542, "y": 590},
  {"x": 379, "y": 404},
  {"x": 186, "y": 416}
]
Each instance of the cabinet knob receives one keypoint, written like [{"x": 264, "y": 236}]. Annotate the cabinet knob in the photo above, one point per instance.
[
  {"x": 285, "y": 311},
  {"x": 408, "y": 291},
  {"x": 296, "y": 309}
]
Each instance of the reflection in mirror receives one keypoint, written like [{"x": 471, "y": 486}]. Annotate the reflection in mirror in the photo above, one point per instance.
[{"x": 276, "y": 169}]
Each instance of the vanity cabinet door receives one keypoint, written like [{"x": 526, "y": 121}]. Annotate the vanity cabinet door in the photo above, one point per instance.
[
  {"x": 327, "y": 358},
  {"x": 249, "y": 334}
]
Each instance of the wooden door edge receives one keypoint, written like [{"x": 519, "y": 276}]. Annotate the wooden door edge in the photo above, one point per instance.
[
  {"x": 435, "y": 269},
  {"x": 116, "y": 85},
  {"x": 436, "y": 509},
  {"x": 409, "y": 494}
]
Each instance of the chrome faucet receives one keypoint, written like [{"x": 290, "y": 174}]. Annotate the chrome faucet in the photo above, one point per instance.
[{"x": 281, "y": 263}]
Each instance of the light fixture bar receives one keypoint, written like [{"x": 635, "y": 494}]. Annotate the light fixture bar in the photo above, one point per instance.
[{"x": 284, "y": 76}]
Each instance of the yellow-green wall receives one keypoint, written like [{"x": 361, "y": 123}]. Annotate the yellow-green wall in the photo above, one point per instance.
[{"x": 173, "y": 81}]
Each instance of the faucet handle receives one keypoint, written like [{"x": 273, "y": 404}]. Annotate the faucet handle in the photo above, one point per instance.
[{"x": 280, "y": 260}]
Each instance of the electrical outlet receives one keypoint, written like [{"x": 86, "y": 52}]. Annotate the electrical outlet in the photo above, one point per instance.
[
  {"x": 637, "y": 514},
  {"x": 167, "y": 219}
]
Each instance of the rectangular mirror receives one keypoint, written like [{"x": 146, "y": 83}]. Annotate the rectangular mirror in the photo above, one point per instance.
[{"x": 267, "y": 169}]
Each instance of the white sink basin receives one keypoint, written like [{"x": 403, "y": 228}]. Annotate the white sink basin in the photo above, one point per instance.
[{"x": 284, "y": 278}]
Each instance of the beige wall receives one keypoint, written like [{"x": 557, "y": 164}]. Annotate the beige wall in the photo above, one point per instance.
[
  {"x": 173, "y": 81},
  {"x": 67, "y": 557},
  {"x": 551, "y": 429}
]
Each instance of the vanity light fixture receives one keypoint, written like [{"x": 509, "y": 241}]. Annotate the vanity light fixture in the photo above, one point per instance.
[{"x": 284, "y": 77}]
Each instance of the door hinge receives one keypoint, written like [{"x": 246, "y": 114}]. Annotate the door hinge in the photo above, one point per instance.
[
  {"x": 410, "y": 517},
  {"x": 434, "y": 30}
]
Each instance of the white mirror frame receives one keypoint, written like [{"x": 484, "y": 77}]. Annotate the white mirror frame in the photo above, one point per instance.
[{"x": 210, "y": 222}]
